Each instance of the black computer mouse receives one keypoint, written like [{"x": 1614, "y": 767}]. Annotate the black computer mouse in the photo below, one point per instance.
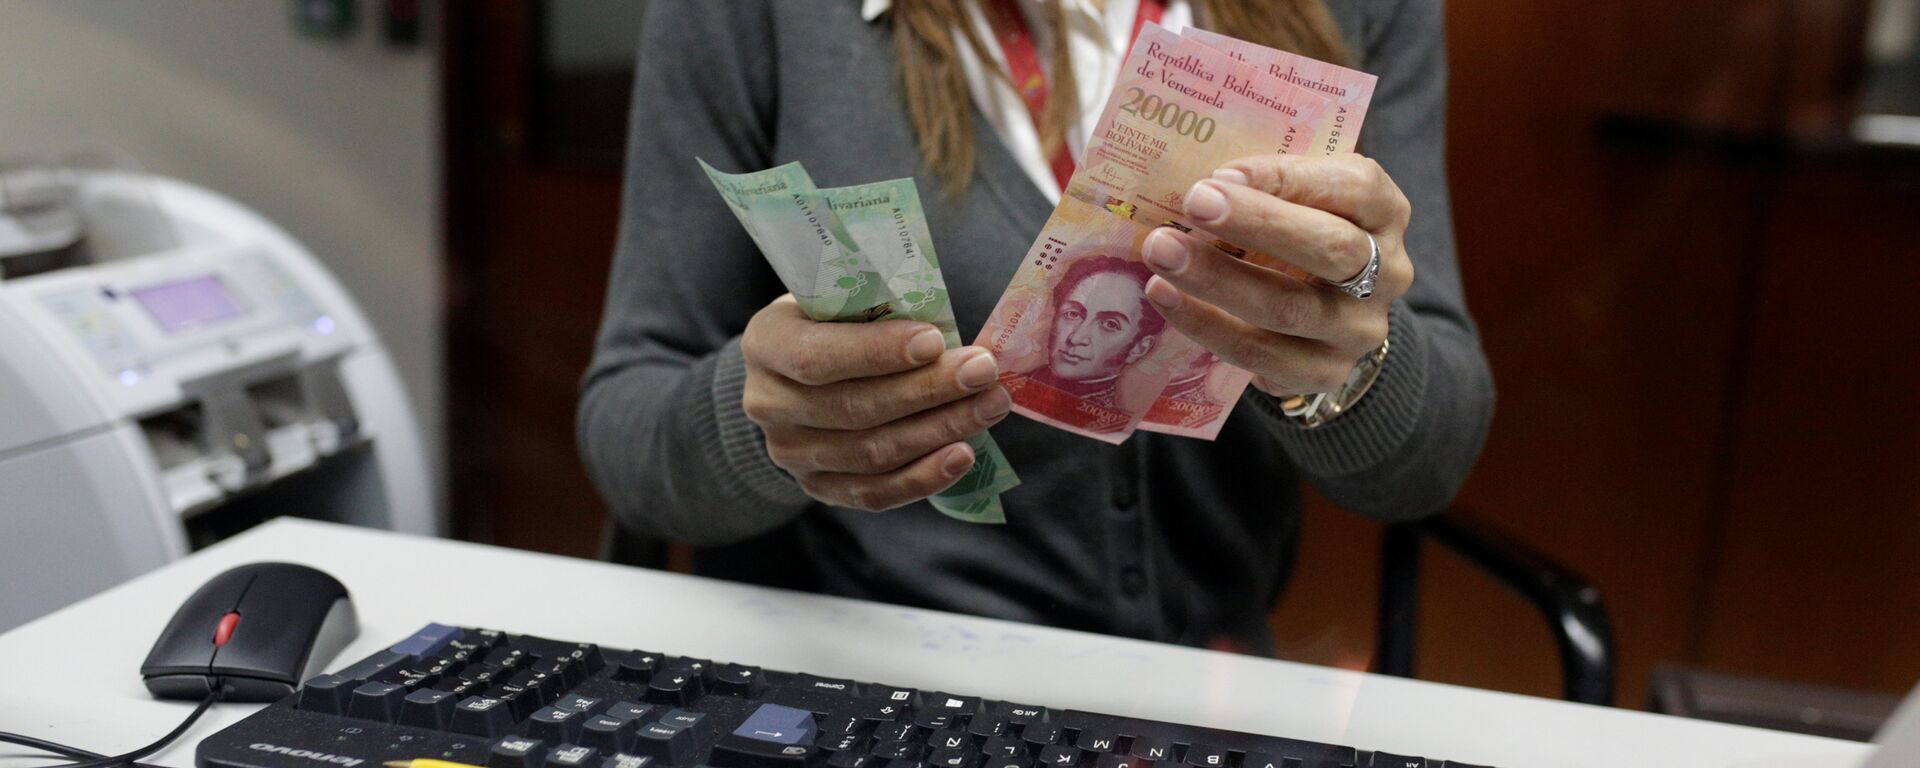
[{"x": 260, "y": 628}]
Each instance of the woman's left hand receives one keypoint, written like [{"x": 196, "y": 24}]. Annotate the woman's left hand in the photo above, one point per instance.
[{"x": 1295, "y": 336}]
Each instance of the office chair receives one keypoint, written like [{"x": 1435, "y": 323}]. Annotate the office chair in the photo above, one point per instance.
[{"x": 1570, "y": 606}]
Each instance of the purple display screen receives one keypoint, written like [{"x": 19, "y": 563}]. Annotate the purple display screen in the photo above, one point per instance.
[{"x": 187, "y": 304}]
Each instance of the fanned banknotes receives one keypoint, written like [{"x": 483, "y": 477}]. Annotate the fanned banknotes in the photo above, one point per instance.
[
  {"x": 863, "y": 254},
  {"x": 1204, "y": 390},
  {"x": 1085, "y": 351}
]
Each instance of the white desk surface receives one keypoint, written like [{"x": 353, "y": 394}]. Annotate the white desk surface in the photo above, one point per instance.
[{"x": 73, "y": 676}]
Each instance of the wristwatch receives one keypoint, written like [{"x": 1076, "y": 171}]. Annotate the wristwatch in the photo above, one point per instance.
[{"x": 1311, "y": 411}]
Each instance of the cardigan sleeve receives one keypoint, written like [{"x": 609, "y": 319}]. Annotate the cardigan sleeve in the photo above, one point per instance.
[{"x": 660, "y": 423}]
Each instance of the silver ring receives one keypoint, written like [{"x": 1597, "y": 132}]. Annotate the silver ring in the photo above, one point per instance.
[{"x": 1360, "y": 286}]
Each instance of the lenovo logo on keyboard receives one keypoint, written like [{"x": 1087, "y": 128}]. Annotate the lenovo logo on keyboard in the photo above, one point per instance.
[{"x": 309, "y": 754}]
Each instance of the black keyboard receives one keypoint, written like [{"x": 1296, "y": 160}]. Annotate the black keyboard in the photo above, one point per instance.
[{"x": 483, "y": 697}]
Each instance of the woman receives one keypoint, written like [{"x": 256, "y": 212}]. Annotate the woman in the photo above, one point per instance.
[{"x": 714, "y": 411}]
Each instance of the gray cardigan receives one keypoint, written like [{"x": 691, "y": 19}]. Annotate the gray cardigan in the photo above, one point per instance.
[{"x": 1162, "y": 537}]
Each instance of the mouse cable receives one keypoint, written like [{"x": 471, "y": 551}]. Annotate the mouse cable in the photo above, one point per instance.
[
  {"x": 57, "y": 748},
  {"x": 129, "y": 757}
]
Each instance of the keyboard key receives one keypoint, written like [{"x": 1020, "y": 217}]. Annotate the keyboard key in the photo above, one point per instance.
[
  {"x": 905, "y": 697},
  {"x": 934, "y": 719},
  {"x": 1057, "y": 756},
  {"x": 950, "y": 739},
  {"x": 556, "y": 725},
  {"x": 1384, "y": 760},
  {"x": 637, "y": 667},
  {"x": 428, "y": 640},
  {"x": 579, "y": 703},
  {"x": 428, "y": 709},
  {"x": 960, "y": 706},
  {"x": 1154, "y": 749},
  {"x": 1008, "y": 762},
  {"x": 481, "y": 716},
  {"x": 851, "y": 759},
  {"x": 880, "y": 710},
  {"x": 1207, "y": 756},
  {"x": 897, "y": 732},
  {"x": 906, "y": 764},
  {"x": 844, "y": 723},
  {"x": 1315, "y": 755},
  {"x": 461, "y": 688},
  {"x": 326, "y": 694},
  {"x": 483, "y": 676},
  {"x": 898, "y": 750},
  {"x": 508, "y": 658},
  {"x": 953, "y": 758},
  {"x": 778, "y": 724},
  {"x": 610, "y": 733},
  {"x": 988, "y": 726},
  {"x": 695, "y": 721},
  {"x": 826, "y": 684},
  {"x": 1455, "y": 764},
  {"x": 521, "y": 700},
  {"x": 550, "y": 682},
  {"x": 1114, "y": 760},
  {"x": 677, "y": 685},
  {"x": 1023, "y": 715},
  {"x": 1094, "y": 740},
  {"x": 1041, "y": 734},
  {"x": 568, "y": 672},
  {"x": 731, "y": 751},
  {"x": 371, "y": 666},
  {"x": 376, "y": 701},
  {"x": 624, "y": 760},
  {"x": 1004, "y": 746},
  {"x": 572, "y": 756},
  {"x": 839, "y": 742},
  {"x": 736, "y": 680},
  {"x": 668, "y": 744},
  {"x": 627, "y": 710},
  {"x": 588, "y": 655},
  {"x": 517, "y": 752}
]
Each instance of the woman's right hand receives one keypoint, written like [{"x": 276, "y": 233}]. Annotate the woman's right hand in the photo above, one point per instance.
[{"x": 870, "y": 416}]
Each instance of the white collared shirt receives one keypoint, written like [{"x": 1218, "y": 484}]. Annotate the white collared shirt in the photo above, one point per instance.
[{"x": 1099, "y": 32}]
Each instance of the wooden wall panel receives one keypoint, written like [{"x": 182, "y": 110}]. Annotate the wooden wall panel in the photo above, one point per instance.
[
  {"x": 1820, "y": 577},
  {"x": 1643, "y": 334}
]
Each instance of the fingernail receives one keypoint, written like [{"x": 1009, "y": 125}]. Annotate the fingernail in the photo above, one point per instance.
[
  {"x": 1231, "y": 176},
  {"x": 993, "y": 405},
  {"x": 1163, "y": 251},
  {"x": 1162, "y": 294},
  {"x": 959, "y": 459},
  {"x": 979, "y": 372},
  {"x": 1205, "y": 203},
  {"x": 925, "y": 346}
]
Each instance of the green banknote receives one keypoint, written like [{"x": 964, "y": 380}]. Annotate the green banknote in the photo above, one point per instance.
[
  {"x": 886, "y": 220},
  {"x": 807, "y": 246},
  {"x": 862, "y": 254}
]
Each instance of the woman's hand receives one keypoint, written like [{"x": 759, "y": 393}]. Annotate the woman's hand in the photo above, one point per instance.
[
  {"x": 869, "y": 416},
  {"x": 1297, "y": 337}
]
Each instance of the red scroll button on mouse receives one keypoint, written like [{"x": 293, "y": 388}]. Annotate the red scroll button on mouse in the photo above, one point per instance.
[{"x": 224, "y": 632}]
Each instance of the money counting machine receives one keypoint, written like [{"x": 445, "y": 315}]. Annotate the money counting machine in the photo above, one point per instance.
[{"x": 173, "y": 368}]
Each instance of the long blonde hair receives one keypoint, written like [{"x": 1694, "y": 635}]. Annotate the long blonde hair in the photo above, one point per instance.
[{"x": 940, "y": 106}]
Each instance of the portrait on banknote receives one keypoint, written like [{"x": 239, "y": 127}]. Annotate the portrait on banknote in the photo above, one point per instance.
[{"x": 1080, "y": 346}]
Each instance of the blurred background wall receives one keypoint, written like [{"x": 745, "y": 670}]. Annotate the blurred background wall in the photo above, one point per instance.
[{"x": 336, "y": 139}]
